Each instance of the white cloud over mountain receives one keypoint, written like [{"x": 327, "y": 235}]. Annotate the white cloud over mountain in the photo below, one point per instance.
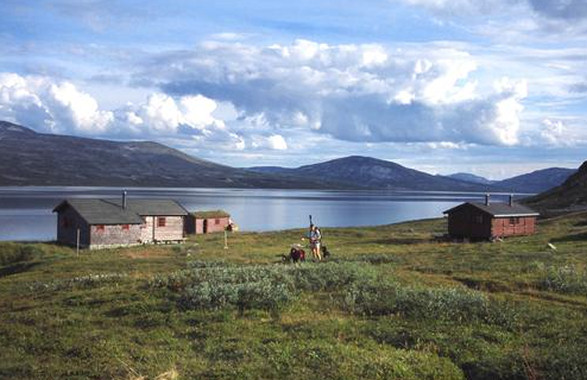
[
  {"x": 353, "y": 92},
  {"x": 244, "y": 97}
]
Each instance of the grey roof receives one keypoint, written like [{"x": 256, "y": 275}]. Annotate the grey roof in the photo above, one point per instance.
[
  {"x": 110, "y": 211},
  {"x": 497, "y": 210},
  {"x": 153, "y": 207}
]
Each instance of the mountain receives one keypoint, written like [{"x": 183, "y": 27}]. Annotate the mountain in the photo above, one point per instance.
[
  {"x": 28, "y": 158},
  {"x": 373, "y": 173},
  {"x": 468, "y": 177},
  {"x": 31, "y": 158},
  {"x": 536, "y": 181},
  {"x": 571, "y": 195}
]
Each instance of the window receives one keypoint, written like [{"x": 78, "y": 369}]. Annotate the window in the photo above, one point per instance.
[
  {"x": 479, "y": 219},
  {"x": 65, "y": 223},
  {"x": 514, "y": 221},
  {"x": 216, "y": 221},
  {"x": 100, "y": 228},
  {"x": 125, "y": 227},
  {"x": 161, "y": 222}
]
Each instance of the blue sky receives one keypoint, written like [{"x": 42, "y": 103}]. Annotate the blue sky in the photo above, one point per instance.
[{"x": 492, "y": 87}]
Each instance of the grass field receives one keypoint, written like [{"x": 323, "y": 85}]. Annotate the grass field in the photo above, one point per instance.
[{"x": 390, "y": 303}]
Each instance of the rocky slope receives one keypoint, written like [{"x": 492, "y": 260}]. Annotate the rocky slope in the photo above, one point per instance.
[{"x": 570, "y": 196}]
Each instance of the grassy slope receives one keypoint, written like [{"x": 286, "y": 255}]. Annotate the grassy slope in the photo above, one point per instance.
[{"x": 52, "y": 326}]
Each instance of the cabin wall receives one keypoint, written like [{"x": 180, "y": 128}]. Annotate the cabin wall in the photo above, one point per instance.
[
  {"x": 171, "y": 231},
  {"x": 199, "y": 226},
  {"x": 206, "y": 226},
  {"x": 469, "y": 222},
  {"x": 115, "y": 235},
  {"x": 147, "y": 230},
  {"x": 68, "y": 222},
  {"x": 519, "y": 226},
  {"x": 216, "y": 224}
]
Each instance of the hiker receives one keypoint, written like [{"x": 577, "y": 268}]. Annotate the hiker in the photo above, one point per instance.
[{"x": 315, "y": 237}]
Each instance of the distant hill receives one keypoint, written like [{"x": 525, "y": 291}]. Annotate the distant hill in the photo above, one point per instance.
[
  {"x": 28, "y": 158},
  {"x": 570, "y": 196},
  {"x": 468, "y": 177},
  {"x": 31, "y": 158},
  {"x": 373, "y": 173},
  {"x": 536, "y": 181}
]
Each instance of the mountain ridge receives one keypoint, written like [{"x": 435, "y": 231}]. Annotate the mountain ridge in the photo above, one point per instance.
[
  {"x": 571, "y": 195},
  {"x": 28, "y": 158},
  {"x": 375, "y": 173}
]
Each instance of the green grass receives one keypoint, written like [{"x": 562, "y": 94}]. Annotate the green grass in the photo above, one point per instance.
[{"x": 390, "y": 303}]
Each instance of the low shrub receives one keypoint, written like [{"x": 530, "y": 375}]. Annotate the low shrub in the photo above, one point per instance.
[
  {"x": 267, "y": 287},
  {"x": 565, "y": 279},
  {"x": 452, "y": 304},
  {"x": 373, "y": 258},
  {"x": 11, "y": 253},
  {"x": 81, "y": 282},
  {"x": 264, "y": 295}
]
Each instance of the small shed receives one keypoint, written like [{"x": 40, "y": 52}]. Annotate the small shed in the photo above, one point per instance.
[
  {"x": 205, "y": 222},
  {"x": 107, "y": 223},
  {"x": 479, "y": 221}
]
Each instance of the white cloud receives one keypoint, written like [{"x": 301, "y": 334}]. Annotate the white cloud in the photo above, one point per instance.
[
  {"x": 53, "y": 107},
  {"x": 59, "y": 107},
  {"x": 553, "y": 132},
  {"x": 362, "y": 93},
  {"x": 277, "y": 142}
]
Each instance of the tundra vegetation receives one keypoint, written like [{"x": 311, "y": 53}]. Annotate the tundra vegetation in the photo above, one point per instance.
[{"x": 391, "y": 302}]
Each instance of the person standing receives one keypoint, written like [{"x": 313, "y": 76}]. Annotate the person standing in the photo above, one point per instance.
[{"x": 315, "y": 237}]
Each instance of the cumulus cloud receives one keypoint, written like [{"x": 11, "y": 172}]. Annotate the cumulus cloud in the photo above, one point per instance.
[
  {"x": 361, "y": 93},
  {"x": 187, "y": 121},
  {"x": 59, "y": 107},
  {"x": 53, "y": 107}
]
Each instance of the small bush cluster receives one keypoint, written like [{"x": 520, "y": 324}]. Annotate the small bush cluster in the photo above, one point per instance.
[
  {"x": 264, "y": 294},
  {"x": 373, "y": 258},
  {"x": 269, "y": 287},
  {"x": 565, "y": 279},
  {"x": 451, "y": 304},
  {"x": 81, "y": 282},
  {"x": 14, "y": 253}
]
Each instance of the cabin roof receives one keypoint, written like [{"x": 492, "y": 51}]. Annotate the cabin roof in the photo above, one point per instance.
[
  {"x": 210, "y": 214},
  {"x": 110, "y": 211},
  {"x": 498, "y": 210}
]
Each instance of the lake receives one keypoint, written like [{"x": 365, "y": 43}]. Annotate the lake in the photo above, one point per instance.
[{"x": 26, "y": 212}]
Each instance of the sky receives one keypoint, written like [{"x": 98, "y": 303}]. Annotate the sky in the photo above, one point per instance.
[{"x": 491, "y": 87}]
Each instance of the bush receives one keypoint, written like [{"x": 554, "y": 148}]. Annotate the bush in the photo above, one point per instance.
[
  {"x": 81, "y": 282},
  {"x": 373, "y": 258},
  {"x": 11, "y": 253},
  {"x": 566, "y": 279},
  {"x": 451, "y": 304},
  {"x": 268, "y": 287}
]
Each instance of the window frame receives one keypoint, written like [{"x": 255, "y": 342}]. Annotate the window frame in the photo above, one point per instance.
[{"x": 161, "y": 221}]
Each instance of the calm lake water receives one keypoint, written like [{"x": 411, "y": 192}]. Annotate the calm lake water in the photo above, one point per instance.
[{"x": 26, "y": 212}]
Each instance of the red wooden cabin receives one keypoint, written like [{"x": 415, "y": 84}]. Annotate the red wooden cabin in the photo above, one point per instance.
[
  {"x": 205, "y": 222},
  {"x": 479, "y": 221}
]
